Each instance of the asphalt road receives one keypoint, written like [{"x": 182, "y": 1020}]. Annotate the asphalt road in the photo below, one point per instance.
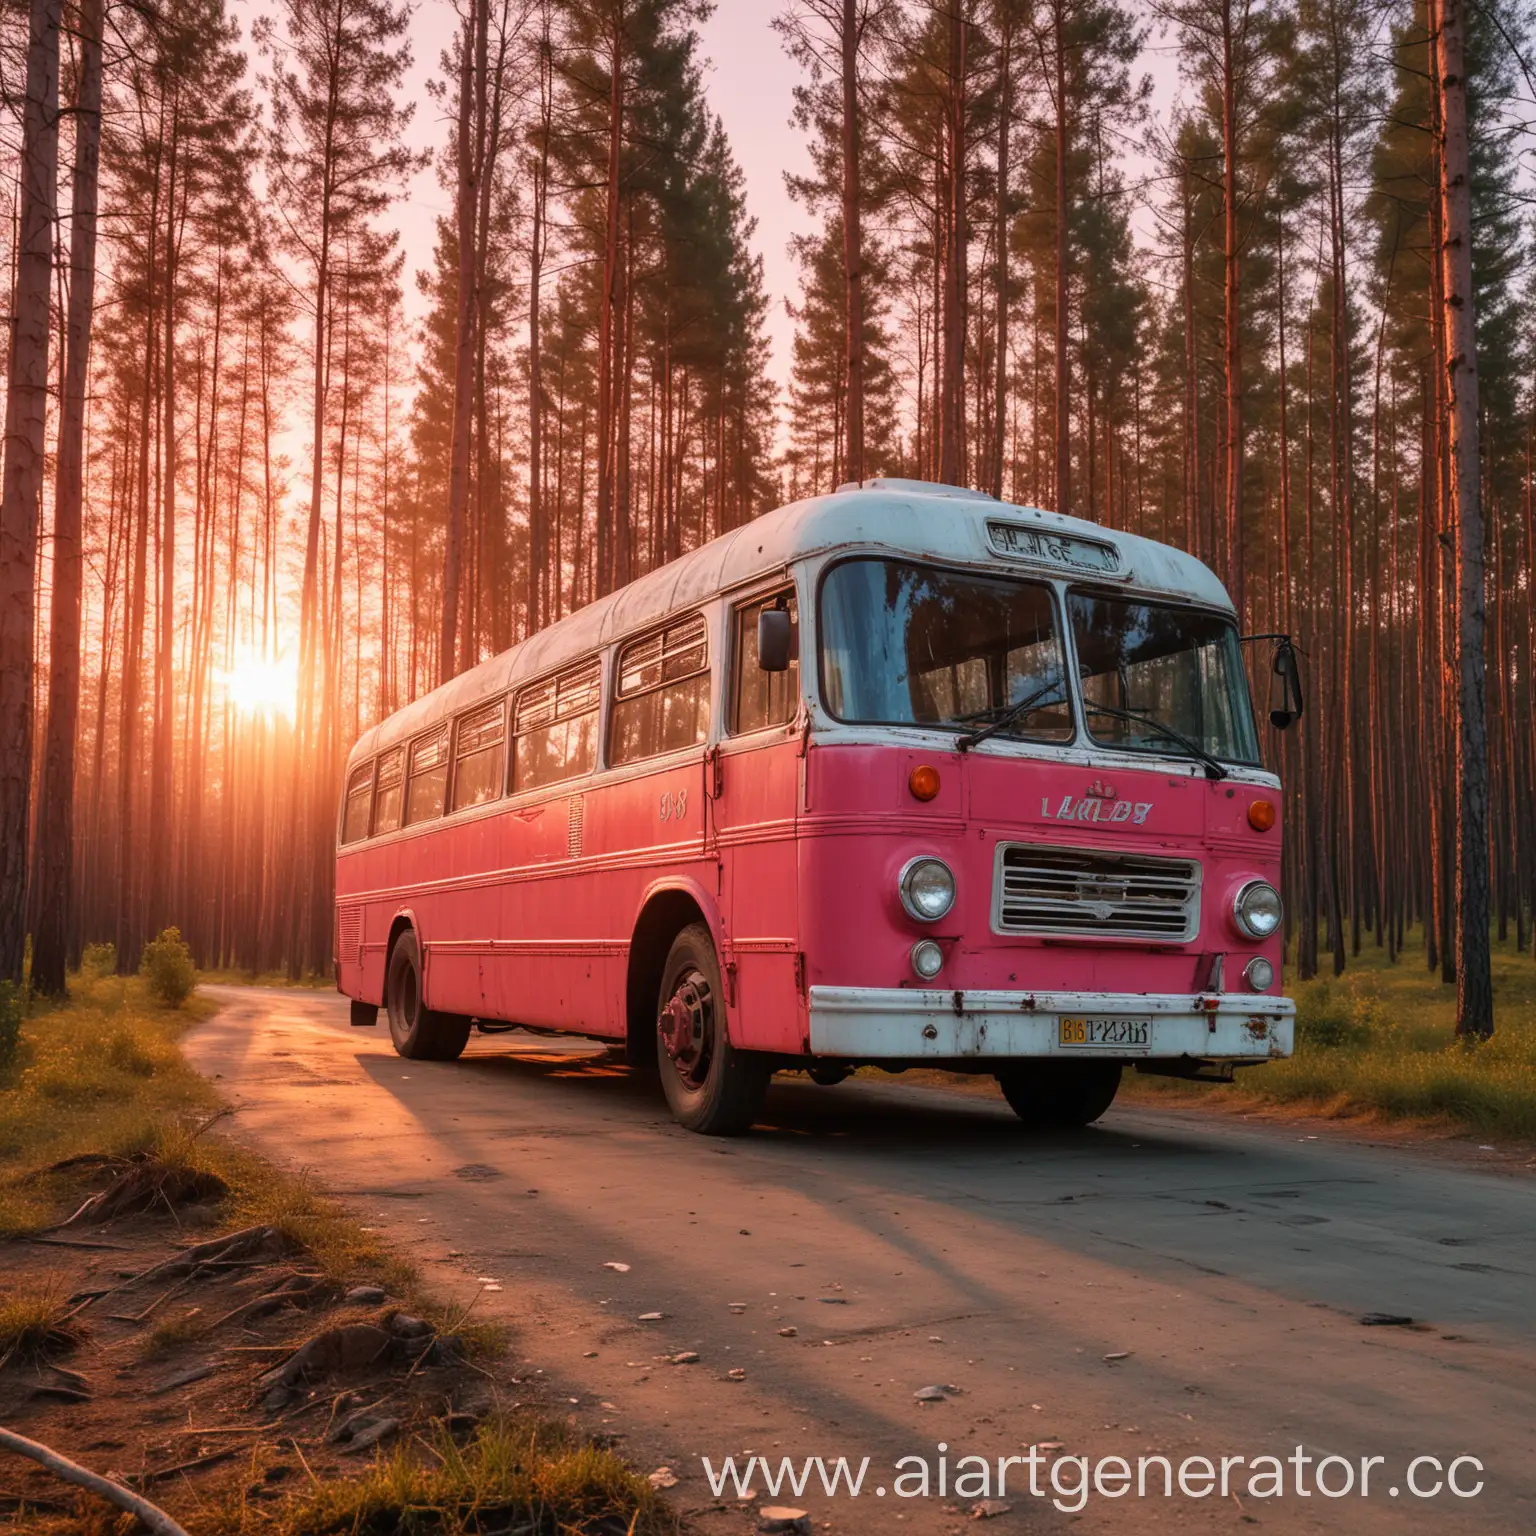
[{"x": 1163, "y": 1283}]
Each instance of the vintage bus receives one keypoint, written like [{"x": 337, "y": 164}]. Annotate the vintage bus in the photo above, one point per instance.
[{"x": 900, "y": 776}]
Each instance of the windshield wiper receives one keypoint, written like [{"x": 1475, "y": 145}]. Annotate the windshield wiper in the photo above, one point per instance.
[
  {"x": 1008, "y": 716},
  {"x": 1213, "y": 768}
]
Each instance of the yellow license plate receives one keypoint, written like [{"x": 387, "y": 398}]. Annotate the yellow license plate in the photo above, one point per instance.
[{"x": 1112, "y": 1034}]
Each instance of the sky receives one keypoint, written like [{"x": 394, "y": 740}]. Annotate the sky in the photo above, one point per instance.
[{"x": 749, "y": 80}]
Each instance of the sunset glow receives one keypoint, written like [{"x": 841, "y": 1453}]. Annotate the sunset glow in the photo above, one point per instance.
[{"x": 260, "y": 685}]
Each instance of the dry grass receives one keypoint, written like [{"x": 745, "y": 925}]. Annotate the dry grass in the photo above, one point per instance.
[
  {"x": 36, "y": 1326},
  {"x": 515, "y": 1474},
  {"x": 1380, "y": 1042},
  {"x": 99, "y": 1074}
]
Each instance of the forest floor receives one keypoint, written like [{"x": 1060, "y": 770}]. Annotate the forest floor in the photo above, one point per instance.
[{"x": 223, "y": 1339}]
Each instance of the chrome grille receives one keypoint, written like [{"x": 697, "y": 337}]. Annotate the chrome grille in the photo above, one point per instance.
[{"x": 1091, "y": 892}]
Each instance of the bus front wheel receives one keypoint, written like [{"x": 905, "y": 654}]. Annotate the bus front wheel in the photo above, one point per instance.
[
  {"x": 711, "y": 1087},
  {"x": 1060, "y": 1095},
  {"x": 419, "y": 1032}
]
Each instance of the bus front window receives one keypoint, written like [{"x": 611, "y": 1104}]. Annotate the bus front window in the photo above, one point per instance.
[
  {"x": 907, "y": 644},
  {"x": 1153, "y": 672}
]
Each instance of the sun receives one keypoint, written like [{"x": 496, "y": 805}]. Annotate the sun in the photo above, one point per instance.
[{"x": 263, "y": 685}]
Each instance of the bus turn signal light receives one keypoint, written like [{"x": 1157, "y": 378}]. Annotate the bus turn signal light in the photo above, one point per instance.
[
  {"x": 1261, "y": 815},
  {"x": 923, "y": 781}
]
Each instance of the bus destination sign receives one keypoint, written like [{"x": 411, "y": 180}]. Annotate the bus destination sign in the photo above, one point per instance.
[{"x": 1067, "y": 550}]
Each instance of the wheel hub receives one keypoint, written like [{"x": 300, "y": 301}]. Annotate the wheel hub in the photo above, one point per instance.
[{"x": 684, "y": 1026}]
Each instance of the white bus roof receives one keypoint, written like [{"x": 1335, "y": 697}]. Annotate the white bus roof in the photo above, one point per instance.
[{"x": 910, "y": 517}]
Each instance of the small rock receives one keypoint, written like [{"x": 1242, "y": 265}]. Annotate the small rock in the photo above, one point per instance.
[
  {"x": 617, "y": 1267},
  {"x": 1385, "y": 1320},
  {"x": 478, "y": 1172},
  {"x": 364, "y": 1296},
  {"x": 408, "y": 1327},
  {"x": 663, "y": 1477},
  {"x": 833, "y": 1301},
  {"x": 737, "y": 1306},
  {"x": 685, "y": 1357},
  {"x": 788, "y": 1333},
  {"x": 932, "y": 1394},
  {"x": 590, "y": 1354},
  {"x": 737, "y": 1374},
  {"x": 652, "y": 1317},
  {"x": 988, "y": 1509},
  {"x": 778, "y": 1520},
  {"x": 370, "y": 1435},
  {"x": 1119, "y": 1354}
]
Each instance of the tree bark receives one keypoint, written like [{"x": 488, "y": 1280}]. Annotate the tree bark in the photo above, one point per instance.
[
  {"x": 55, "y": 839},
  {"x": 853, "y": 241},
  {"x": 1063, "y": 294},
  {"x": 1474, "y": 984},
  {"x": 469, "y": 125},
  {"x": 21, "y": 482}
]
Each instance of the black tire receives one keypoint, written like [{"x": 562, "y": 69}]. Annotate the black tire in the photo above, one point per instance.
[
  {"x": 1060, "y": 1095},
  {"x": 711, "y": 1087},
  {"x": 419, "y": 1033}
]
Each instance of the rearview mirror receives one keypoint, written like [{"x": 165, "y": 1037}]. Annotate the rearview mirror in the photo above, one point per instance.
[
  {"x": 775, "y": 639},
  {"x": 1288, "y": 669}
]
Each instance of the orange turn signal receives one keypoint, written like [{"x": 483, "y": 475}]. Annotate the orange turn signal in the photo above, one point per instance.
[
  {"x": 923, "y": 781},
  {"x": 1261, "y": 815}
]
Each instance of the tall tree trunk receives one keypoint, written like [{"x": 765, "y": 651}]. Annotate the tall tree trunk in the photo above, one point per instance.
[
  {"x": 1474, "y": 984},
  {"x": 1000, "y": 221},
  {"x": 1063, "y": 294},
  {"x": 952, "y": 377},
  {"x": 853, "y": 242},
  {"x": 470, "y": 126},
  {"x": 21, "y": 482},
  {"x": 1232, "y": 292},
  {"x": 607, "y": 445},
  {"x": 56, "y": 814}
]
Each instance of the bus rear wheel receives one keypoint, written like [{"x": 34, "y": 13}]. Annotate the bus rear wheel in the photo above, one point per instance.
[
  {"x": 711, "y": 1087},
  {"x": 418, "y": 1032},
  {"x": 1060, "y": 1095}
]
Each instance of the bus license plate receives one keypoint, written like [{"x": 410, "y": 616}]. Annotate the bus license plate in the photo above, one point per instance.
[{"x": 1116, "y": 1034}]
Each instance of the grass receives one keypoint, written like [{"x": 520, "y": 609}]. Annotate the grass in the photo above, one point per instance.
[
  {"x": 36, "y": 1326},
  {"x": 100, "y": 1073},
  {"x": 1379, "y": 1042},
  {"x": 514, "y": 1474}
]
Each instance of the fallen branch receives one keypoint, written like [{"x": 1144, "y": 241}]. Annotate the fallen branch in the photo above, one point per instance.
[{"x": 72, "y": 1472}]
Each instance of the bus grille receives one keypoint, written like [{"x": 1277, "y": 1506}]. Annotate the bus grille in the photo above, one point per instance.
[{"x": 1086, "y": 891}]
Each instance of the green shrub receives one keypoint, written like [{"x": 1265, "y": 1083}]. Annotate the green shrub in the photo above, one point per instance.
[
  {"x": 167, "y": 967},
  {"x": 98, "y": 960},
  {"x": 10, "y": 1024}
]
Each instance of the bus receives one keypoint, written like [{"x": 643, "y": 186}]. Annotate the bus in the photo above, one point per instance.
[{"x": 896, "y": 776}]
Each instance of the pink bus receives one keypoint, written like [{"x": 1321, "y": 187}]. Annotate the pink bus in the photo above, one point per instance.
[{"x": 898, "y": 776}]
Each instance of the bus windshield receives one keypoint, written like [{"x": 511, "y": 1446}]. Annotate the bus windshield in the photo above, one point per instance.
[
  {"x": 905, "y": 644},
  {"x": 1154, "y": 672}
]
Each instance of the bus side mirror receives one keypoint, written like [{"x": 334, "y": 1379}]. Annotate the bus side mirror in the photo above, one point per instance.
[
  {"x": 775, "y": 639},
  {"x": 1288, "y": 669}
]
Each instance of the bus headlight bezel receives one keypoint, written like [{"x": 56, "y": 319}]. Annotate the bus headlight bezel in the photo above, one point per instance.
[
  {"x": 915, "y": 874},
  {"x": 927, "y": 958},
  {"x": 1250, "y": 918},
  {"x": 1259, "y": 974}
]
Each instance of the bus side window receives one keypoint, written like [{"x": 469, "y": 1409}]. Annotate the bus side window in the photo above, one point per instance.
[
  {"x": 477, "y": 758},
  {"x": 761, "y": 699},
  {"x": 555, "y": 728},
  {"x": 428, "y": 780},
  {"x": 354, "y": 819},
  {"x": 386, "y": 802},
  {"x": 662, "y": 703}
]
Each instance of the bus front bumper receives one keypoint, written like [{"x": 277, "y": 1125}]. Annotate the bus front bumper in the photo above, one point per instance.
[{"x": 912, "y": 1024}]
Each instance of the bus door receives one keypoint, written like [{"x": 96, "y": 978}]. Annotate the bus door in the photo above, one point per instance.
[{"x": 753, "y": 782}]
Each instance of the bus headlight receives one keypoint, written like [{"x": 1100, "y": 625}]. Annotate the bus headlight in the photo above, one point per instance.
[
  {"x": 1259, "y": 974},
  {"x": 927, "y": 889},
  {"x": 1257, "y": 910},
  {"x": 927, "y": 959}
]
